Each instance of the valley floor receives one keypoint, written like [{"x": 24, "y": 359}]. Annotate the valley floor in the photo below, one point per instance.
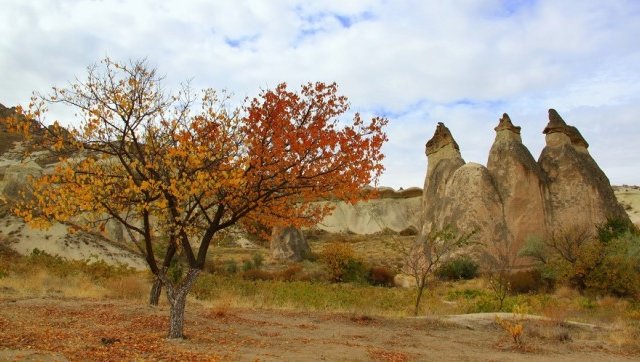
[{"x": 60, "y": 329}]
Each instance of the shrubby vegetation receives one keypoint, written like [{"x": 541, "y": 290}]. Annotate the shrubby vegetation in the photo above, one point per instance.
[
  {"x": 607, "y": 263},
  {"x": 459, "y": 268}
]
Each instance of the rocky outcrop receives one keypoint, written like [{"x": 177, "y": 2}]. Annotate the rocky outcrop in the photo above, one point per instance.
[
  {"x": 472, "y": 205},
  {"x": 520, "y": 184},
  {"x": 579, "y": 192},
  {"x": 515, "y": 198},
  {"x": 443, "y": 159},
  {"x": 288, "y": 243},
  {"x": 373, "y": 216}
]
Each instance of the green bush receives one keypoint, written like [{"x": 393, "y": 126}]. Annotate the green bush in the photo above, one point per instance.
[
  {"x": 355, "y": 271},
  {"x": 258, "y": 259},
  {"x": 462, "y": 267},
  {"x": 247, "y": 265}
]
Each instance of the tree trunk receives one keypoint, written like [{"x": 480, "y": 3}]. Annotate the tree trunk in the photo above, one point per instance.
[
  {"x": 156, "y": 289},
  {"x": 420, "y": 289},
  {"x": 177, "y": 296}
]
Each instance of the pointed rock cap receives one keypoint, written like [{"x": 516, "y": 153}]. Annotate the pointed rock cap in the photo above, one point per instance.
[
  {"x": 557, "y": 124},
  {"x": 441, "y": 138},
  {"x": 505, "y": 124}
]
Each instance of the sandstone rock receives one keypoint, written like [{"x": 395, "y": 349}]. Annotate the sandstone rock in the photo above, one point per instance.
[
  {"x": 115, "y": 231},
  {"x": 16, "y": 179},
  {"x": 520, "y": 184},
  {"x": 515, "y": 198},
  {"x": 288, "y": 243},
  {"x": 443, "y": 158},
  {"x": 373, "y": 216},
  {"x": 459, "y": 195},
  {"x": 472, "y": 205},
  {"x": 580, "y": 194}
]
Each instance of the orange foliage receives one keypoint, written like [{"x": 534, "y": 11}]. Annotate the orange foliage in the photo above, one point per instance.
[
  {"x": 160, "y": 167},
  {"x": 141, "y": 155}
]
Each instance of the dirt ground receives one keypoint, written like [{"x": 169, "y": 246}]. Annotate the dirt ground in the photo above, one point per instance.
[{"x": 53, "y": 329}]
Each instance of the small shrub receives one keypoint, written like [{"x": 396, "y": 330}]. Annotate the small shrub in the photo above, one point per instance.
[
  {"x": 500, "y": 287},
  {"x": 355, "y": 272},
  {"x": 247, "y": 265},
  {"x": 515, "y": 327},
  {"x": 381, "y": 276},
  {"x": 459, "y": 268},
  {"x": 337, "y": 257},
  {"x": 258, "y": 259},
  {"x": 230, "y": 266},
  {"x": 290, "y": 274},
  {"x": 528, "y": 281},
  {"x": 409, "y": 231}
]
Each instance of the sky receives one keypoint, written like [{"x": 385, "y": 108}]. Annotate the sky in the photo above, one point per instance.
[{"x": 417, "y": 63}]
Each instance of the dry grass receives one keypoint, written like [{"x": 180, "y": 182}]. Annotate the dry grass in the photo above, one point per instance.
[
  {"x": 133, "y": 287},
  {"x": 224, "y": 295},
  {"x": 40, "y": 283}
]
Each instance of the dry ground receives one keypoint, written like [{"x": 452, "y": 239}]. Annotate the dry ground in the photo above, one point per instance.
[{"x": 51, "y": 329}]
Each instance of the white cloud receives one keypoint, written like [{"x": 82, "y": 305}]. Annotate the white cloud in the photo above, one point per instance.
[{"x": 463, "y": 63}]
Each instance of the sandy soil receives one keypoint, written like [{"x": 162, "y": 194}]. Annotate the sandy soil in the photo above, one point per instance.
[{"x": 64, "y": 329}]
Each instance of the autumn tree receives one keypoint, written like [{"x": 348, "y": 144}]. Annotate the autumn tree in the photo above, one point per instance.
[{"x": 183, "y": 168}]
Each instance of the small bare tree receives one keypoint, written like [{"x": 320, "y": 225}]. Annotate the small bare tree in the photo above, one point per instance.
[
  {"x": 498, "y": 260},
  {"x": 426, "y": 254}
]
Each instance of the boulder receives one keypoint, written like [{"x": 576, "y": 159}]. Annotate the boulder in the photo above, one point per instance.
[
  {"x": 580, "y": 194},
  {"x": 521, "y": 186},
  {"x": 288, "y": 243}
]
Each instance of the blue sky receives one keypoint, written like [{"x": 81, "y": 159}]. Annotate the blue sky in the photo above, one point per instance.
[{"x": 463, "y": 63}]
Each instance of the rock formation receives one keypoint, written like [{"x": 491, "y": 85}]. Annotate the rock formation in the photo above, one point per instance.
[
  {"x": 515, "y": 198},
  {"x": 579, "y": 192},
  {"x": 288, "y": 243},
  {"x": 444, "y": 159},
  {"x": 472, "y": 205},
  {"x": 520, "y": 184}
]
